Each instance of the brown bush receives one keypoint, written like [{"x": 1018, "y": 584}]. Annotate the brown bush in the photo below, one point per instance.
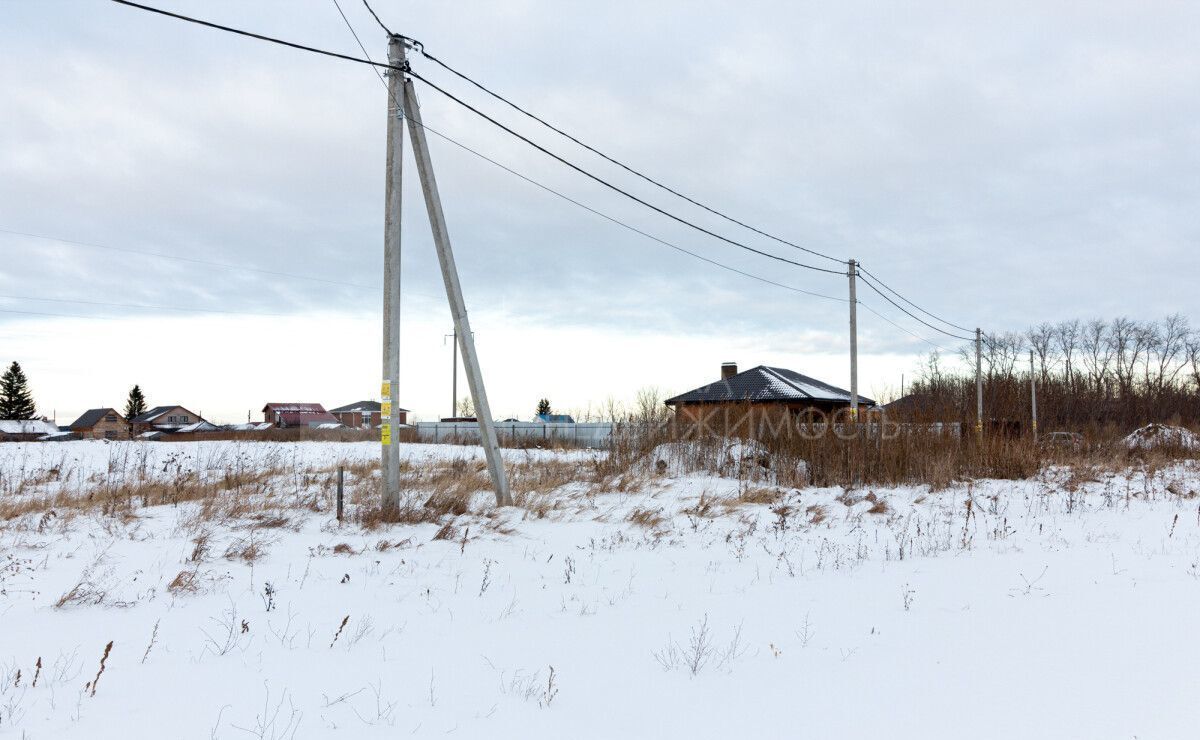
[{"x": 648, "y": 518}]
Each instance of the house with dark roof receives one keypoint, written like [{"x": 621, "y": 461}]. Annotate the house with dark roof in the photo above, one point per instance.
[
  {"x": 299, "y": 415},
  {"x": 923, "y": 407},
  {"x": 100, "y": 424},
  {"x": 168, "y": 420},
  {"x": 365, "y": 414},
  {"x": 763, "y": 388}
]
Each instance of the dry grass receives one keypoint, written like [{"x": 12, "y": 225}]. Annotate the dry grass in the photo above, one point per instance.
[
  {"x": 648, "y": 518},
  {"x": 816, "y": 514},
  {"x": 202, "y": 545},
  {"x": 759, "y": 495},
  {"x": 186, "y": 582},
  {"x": 247, "y": 549},
  {"x": 704, "y": 508},
  {"x": 878, "y": 505},
  {"x": 273, "y": 496}
]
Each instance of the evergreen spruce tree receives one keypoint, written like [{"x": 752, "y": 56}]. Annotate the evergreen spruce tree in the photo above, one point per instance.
[
  {"x": 543, "y": 407},
  {"x": 16, "y": 402},
  {"x": 136, "y": 403}
]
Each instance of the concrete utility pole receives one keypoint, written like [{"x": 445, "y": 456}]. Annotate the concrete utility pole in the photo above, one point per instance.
[
  {"x": 1033, "y": 396},
  {"x": 853, "y": 272},
  {"x": 979, "y": 383},
  {"x": 454, "y": 373},
  {"x": 390, "y": 387},
  {"x": 458, "y": 307}
]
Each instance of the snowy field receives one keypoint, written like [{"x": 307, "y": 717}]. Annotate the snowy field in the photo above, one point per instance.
[{"x": 684, "y": 606}]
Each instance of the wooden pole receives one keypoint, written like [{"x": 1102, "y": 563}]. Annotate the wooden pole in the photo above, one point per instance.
[{"x": 340, "y": 488}]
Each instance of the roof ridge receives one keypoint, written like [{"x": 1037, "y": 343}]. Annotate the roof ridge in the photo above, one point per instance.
[{"x": 775, "y": 372}]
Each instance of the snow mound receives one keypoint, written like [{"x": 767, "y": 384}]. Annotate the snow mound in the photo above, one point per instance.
[{"x": 1161, "y": 435}]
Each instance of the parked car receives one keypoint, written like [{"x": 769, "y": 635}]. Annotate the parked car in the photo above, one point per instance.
[{"x": 1063, "y": 441}]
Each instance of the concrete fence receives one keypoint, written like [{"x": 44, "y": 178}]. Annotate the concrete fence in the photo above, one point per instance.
[
  {"x": 584, "y": 435},
  {"x": 601, "y": 434}
]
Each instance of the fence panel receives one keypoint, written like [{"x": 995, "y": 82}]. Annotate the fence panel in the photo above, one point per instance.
[{"x": 590, "y": 434}]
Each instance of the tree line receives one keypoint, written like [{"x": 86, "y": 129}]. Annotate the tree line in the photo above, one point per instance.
[{"x": 1093, "y": 373}]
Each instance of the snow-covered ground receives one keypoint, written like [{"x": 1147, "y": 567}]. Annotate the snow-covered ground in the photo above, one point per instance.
[{"x": 689, "y": 606}]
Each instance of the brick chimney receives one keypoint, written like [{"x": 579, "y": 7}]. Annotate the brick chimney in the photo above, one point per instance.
[{"x": 728, "y": 370}]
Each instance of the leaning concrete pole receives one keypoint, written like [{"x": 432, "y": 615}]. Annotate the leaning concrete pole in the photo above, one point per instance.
[
  {"x": 390, "y": 387},
  {"x": 458, "y": 307}
]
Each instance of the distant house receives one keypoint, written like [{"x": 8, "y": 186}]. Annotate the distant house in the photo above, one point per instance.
[
  {"x": 100, "y": 424},
  {"x": 921, "y": 407},
  {"x": 298, "y": 415},
  {"x": 763, "y": 388},
  {"x": 167, "y": 420},
  {"x": 25, "y": 430},
  {"x": 365, "y": 415},
  {"x": 555, "y": 418}
]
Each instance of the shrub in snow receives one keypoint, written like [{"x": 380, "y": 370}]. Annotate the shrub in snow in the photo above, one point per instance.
[{"x": 743, "y": 459}]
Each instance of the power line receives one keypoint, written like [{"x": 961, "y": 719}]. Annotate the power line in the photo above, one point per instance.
[
  {"x": 584, "y": 206},
  {"x": 922, "y": 310},
  {"x": 137, "y": 305},
  {"x": 357, "y": 39},
  {"x": 486, "y": 117},
  {"x": 612, "y": 187},
  {"x": 191, "y": 260},
  {"x": 621, "y": 223},
  {"x": 250, "y": 34},
  {"x": 376, "y": 17},
  {"x": 617, "y": 162},
  {"x": 59, "y": 315},
  {"x": 420, "y": 48},
  {"x": 910, "y": 314},
  {"x": 903, "y": 329}
]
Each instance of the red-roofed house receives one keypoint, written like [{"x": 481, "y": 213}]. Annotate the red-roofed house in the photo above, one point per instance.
[{"x": 298, "y": 415}]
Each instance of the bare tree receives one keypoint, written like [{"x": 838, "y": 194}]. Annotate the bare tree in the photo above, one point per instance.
[
  {"x": 649, "y": 405},
  {"x": 1066, "y": 336},
  {"x": 1122, "y": 338},
  {"x": 930, "y": 372},
  {"x": 1097, "y": 353},
  {"x": 1042, "y": 342},
  {"x": 1193, "y": 357},
  {"x": 1001, "y": 353},
  {"x": 1171, "y": 348}
]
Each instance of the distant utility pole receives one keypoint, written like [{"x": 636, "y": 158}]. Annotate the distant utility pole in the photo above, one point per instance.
[
  {"x": 979, "y": 383},
  {"x": 1033, "y": 396},
  {"x": 390, "y": 387},
  {"x": 454, "y": 374},
  {"x": 853, "y": 342},
  {"x": 458, "y": 307}
]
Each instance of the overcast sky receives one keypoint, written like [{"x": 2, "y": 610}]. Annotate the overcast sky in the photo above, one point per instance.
[{"x": 1001, "y": 166}]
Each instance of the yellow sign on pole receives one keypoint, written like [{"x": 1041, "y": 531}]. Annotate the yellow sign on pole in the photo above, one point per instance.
[
  {"x": 385, "y": 409},
  {"x": 385, "y": 434},
  {"x": 385, "y": 389}
]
